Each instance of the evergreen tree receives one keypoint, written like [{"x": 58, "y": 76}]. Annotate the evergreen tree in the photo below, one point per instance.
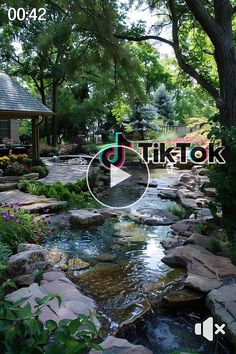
[
  {"x": 141, "y": 119},
  {"x": 165, "y": 105}
]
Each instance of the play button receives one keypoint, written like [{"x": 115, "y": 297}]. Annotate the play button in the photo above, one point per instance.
[
  {"x": 120, "y": 182},
  {"x": 117, "y": 176}
]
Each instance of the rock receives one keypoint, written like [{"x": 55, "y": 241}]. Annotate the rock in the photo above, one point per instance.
[
  {"x": 150, "y": 216},
  {"x": 85, "y": 218},
  {"x": 187, "y": 178},
  {"x": 1, "y": 172},
  {"x": 26, "y": 262},
  {"x": 168, "y": 194},
  {"x": 185, "y": 228},
  {"x": 2, "y": 180},
  {"x": 106, "y": 257},
  {"x": 24, "y": 280},
  {"x": 109, "y": 213},
  {"x": 190, "y": 203},
  {"x": 64, "y": 267},
  {"x": 51, "y": 276},
  {"x": 77, "y": 264},
  {"x": 152, "y": 183},
  {"x": 26, "y": 293},
  {"x": 205, "y": 270},
  {"x": 196, "y": 168},
  {"x": 202, "y": 214},
  {"x": 201, "y": 240},
  {"x": 222, "y": 304},
  {"x": 30, "y": 176},
  {"x": 172, "y": 241},
  {"x": 54, "y": 256},
  {"x": 22, "y": 247},
  {"x": 183, "y": 298},
  {"x": 9, "y": 186},
  {"x": 210, "y": 192},
  {"x": 82, "y": 308},
  {"x": 186, "y": 193},
  {"x": 203, "y": 171},
  {"x": 117, "y": 345},
  {"x": 12, "y": 178}
]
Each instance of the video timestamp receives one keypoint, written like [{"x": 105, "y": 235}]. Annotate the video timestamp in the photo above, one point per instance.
[{"x": 21, "y": 14}]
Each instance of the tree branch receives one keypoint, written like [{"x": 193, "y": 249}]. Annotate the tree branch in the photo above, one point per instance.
[
  {"x": 206, "y": 21},
  {"x": 190, "y": 70},
  {"x": 234, "y": 10},
  {"x": 144, "y": 38}
]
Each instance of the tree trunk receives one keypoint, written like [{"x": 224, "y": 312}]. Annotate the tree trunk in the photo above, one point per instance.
[
  {"x": 46, "y": 125},
  {"x": 54, "y": 108},
  {"x": 226, "y": 63}
]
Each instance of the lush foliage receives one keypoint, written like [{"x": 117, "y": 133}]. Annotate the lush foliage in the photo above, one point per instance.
[
  {"x": 76, "y": 194},
  {"x": 18, "y": 226},
  {"x": 5, "y": 252},
  {"x": 18, "y": 165},
  {"x": 21, "y": 331}
]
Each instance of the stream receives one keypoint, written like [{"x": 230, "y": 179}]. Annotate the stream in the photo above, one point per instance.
[{"x": 124, "y": 288}]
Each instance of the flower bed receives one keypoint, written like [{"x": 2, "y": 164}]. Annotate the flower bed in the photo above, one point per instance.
[{"x": 19, "y": 165}]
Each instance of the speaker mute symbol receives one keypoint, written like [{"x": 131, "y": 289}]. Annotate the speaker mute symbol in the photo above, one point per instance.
[{"x": 207, "y": 329}]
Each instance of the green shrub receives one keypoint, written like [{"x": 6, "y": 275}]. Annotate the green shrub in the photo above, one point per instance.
[
  {"x": 214, "y": 245},
  {"x": 76, "y": 195},
  {"x": 18, "y": 226},
  {"x": 5, "y": 253},
  {"x": 41, "y": 170},
  {"x": 89, "y": 149},
  {"x": 200, "y": 227},
  {"x": 177, "y": 210},
  {"x": 21, "y": 331}
]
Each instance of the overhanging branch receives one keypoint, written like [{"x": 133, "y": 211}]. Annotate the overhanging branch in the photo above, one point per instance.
[{"x": 144, "y": 38}]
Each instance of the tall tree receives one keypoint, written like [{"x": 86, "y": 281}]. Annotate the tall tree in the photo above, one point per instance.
[{"x": 211, "y": 26}]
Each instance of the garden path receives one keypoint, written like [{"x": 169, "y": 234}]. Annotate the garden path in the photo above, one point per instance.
[{"x": 63, "y": 172}]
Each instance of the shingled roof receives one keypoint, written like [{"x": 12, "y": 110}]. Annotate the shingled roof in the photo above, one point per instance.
[{"x": 16, "y": 102}]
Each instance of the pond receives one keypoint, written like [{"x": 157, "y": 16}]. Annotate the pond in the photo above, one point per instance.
[{"x": 124, "y": 287}]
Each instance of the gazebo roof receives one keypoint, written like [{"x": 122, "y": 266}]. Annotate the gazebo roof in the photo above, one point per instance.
[{"x": 17, "y": 102}]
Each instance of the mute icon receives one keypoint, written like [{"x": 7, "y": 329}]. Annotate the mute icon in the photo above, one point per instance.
[{"x": 207, "y": 329}]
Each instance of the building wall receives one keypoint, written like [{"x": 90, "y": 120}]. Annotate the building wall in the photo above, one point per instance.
[
  {"x": 14, "y": 124},
  {"x": 9, "y": 128}
]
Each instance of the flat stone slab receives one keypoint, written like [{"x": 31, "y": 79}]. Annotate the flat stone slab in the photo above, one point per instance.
[
  {"x": 222, "y": 303},
  {"x": 205, "y": 271},
  {"x": 31, "y": 203},
  {"x": 56, "y": 283},
  {"x": 7, "y": 186}
]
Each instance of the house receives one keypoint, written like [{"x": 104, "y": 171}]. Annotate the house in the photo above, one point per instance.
[
  {"x": 17, "y": 103},
  {"x": 9, "y": 128}
]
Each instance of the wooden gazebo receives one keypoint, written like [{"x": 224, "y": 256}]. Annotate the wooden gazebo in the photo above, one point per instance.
[{"x": 17, "y": 103}]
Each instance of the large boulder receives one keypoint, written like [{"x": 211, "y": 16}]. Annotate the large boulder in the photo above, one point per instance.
[
  {"x": 150, "y": 216},
  {"x": 117, "y": 345},
  {"x": 205, "y": 271},
  {"x": 85, "y": 218},
  {"x": 185, "y": 228},
  {"x": 222, "y": 304},
  {"x": 26, "y": 262}
]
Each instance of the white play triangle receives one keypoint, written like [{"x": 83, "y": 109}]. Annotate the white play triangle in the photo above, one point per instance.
[{"x": 117, "y": 176}]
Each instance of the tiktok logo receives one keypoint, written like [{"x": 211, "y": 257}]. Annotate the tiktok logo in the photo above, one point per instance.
[{"x": 115, "y": 155}]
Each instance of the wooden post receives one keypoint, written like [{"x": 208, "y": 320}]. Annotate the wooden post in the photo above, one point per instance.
[{"x": 35, "y": 138}]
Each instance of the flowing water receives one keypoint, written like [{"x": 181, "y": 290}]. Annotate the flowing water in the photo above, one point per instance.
[{"x": 122, "y": 288}]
